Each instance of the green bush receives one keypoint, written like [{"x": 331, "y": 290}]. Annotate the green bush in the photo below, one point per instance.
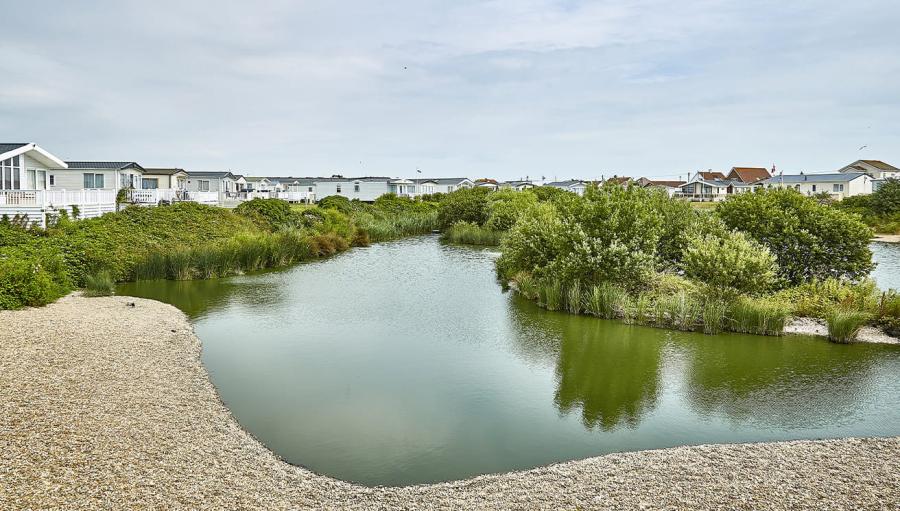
[
  {"x": 731, "y": 264},
  {"x": 809, "y": 240},
  {"x": 464, "y": 205},
  {"x": 505, "y": 207},
  {"x": 337, "y": 202},
  {"x": 886, "y": 200},
  {"x": 101, "y": 284},
  {"x": 31, "y": 275},
  {"x": 269, "y": 213},
  {"x": 815, "y": 299}
]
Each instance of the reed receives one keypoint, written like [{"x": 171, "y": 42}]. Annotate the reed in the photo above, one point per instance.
[
  {"x": 713, "y": 316},
  {"x": 526, "y": 285},
  {"x": 844, "y": 325},
  {"x": 758, "y": 316},
  {"x": 574, "y": 298},
  {"x": 465, "y": 233},
  {"x": 639, "y": 310},
  {"x": 551, "y": 295},
  {"x": 99, "y": 284},
  {"x": 607, "y": 301}
]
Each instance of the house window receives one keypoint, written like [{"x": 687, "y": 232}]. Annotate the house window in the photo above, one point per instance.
[
  {"x": 9, "y": 174},
  {"x": 450, "y": 189},
  {"x": 356, "y": 187},
  {"x": 150, "y": 183},
  {"x": 814, "y": 188},
  {"x": 52, "y": 180},
  {"x": 310, "y": 189},
  {"x": 338, "y": 188},
  {"x": 837, "y": 187},
  {"x": 203, "y": 185},
  {"x": 93, "y": 180}
]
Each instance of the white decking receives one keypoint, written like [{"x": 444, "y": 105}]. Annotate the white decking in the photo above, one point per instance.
[{"x": 35, "y": 205}]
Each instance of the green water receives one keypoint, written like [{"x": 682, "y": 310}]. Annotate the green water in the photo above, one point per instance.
[{"x": 405, "y": 363}]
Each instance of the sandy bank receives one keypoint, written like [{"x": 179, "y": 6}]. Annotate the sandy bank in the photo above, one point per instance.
[
  {"x": 887, "y": 238},
  {"x": 810, "y": 326},
  {"x": 105, "y": 405}
]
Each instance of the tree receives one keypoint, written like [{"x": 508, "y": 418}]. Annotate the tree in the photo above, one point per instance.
[
  {"x": 809, "y": 240},
  {"x": 730, "y": 264},
  {"x": 505, "y": 207},
  {"x": 886, "y": 200}
]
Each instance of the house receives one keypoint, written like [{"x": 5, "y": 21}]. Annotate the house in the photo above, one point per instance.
[
  {"x": 875, "y": 168},
  {"x": 748, "y": 175},
  {"x": 489, "y": 184},
  {"x": 516, "y": 185},
  {"x": 366, "y": 189},
  {"x": 295, "y": 189},
  {"x": 109, "y": 175},
  {"x": 451, "y": 184},
  {"x": 402, "y": 187},
  {"x": 575, "y": 186},
  {"x": 424, "y": 187},
  {"x": 715, "y": 186},
  {"x": 211, "y": 187},
  {"x": 33, "y": 186},
  {"x": 160, "y": 184},
  {"x": 837, "y": 184},
  {"x": 670, "y": 187}
]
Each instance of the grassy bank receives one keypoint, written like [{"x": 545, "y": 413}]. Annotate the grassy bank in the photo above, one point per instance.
[
  {"x": 190, "y": 241},
  {"x": 466, "y": 233}
]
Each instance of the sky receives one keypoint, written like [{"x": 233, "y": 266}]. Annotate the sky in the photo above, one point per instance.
[{"x": 507, "y": 89}]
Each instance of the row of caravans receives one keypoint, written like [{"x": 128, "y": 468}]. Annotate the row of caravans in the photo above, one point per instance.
[{"x": 35, "y": 185}]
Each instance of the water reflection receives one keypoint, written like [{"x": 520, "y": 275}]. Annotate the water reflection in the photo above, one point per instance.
[{"x": 610, "y": 373}]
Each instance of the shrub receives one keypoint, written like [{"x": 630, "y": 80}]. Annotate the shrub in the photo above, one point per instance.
[
  {"x": 844, "y": 325},
  {"x": 464, "y": 205},
  {"x": 269, "y": 213},
  {"x": 817, "y": 298},
  {"x": 100, "y": 284},
  {"x": 337, "y": 202},
  {"x": 809, "y": 240},
  {"x": 731, "y": 264},
  {"x": 31, "y": 275},
  {"x": 505, "y": 208}
]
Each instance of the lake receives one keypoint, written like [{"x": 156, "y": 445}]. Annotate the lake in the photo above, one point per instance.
[{"x": 406, "y": 363}]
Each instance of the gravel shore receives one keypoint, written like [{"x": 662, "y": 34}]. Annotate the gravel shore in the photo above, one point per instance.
[
  {"x": 106, "y": 405},
  {"x": 810, "y": 326}
]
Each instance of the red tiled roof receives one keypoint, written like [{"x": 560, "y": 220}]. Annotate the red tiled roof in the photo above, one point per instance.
[
  {"x": 749, "y": 174},
  {"x": 712, "y": 175}
]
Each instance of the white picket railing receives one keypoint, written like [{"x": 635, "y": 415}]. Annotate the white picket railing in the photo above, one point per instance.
[
  {"x": 56, "y": 198},
  {"x": 155, "y": 195},
  {"x": 203, "y": 197}
]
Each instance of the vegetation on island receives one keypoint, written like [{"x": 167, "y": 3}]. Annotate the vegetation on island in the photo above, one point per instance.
[{"x": 879, "y": 210}]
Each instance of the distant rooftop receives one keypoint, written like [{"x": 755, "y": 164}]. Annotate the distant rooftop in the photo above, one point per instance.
[
  {"x": 815, "y": 178},
  {"x": 106, "y": 165}
]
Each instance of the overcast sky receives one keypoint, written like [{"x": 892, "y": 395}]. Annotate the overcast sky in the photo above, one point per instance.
[{"x": 502, "y": 89}]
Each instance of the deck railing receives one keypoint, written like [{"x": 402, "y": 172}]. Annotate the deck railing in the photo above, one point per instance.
[{"x": 56, "y": 198}]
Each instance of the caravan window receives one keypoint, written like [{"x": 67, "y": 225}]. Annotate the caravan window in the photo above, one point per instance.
[{"x": 203, "y": 185}]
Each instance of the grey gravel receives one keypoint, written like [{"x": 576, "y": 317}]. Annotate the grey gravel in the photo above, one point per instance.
[
  {"x": 817, "y": 327},
  {"x": 106, "y": 406}
]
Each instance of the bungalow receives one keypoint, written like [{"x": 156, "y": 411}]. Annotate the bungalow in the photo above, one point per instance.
[
  {"x": 837, "y": 184},
  {"x": 295, "y": 189},
  {"x": 160, "y": 184},
  {"x": 108, "y": 175},
  {"x": 424, "y": 187},
  {"x": 670, "y": 187},
  {"x": 715, "y": 186},
  {"x": 875, "y": 168},
  {"x": 210, "y": 187},
  {"x": 366, "y": 189},
  {"x": 516, "y": 185},
  {"x": 451, "y": 184},
  {"x": 32, "y": 188},
  {"x": 572, "y": 185}
]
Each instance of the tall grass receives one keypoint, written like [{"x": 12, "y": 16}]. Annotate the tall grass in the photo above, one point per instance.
[
  {"x": 844, "y": 325},
  {"x": 713, "y": 316},
  {"x": 574, "y": 298},
  {"x": 757, "y": 316},
  {"x": 607, "y": 301},
  {"x": 526, "y": 285},
  {"x": 679, "y": 311},
  {"x": 465, "y": 233},
  {"x": 100, "y": 284},
  {"x": 550, "y": 295},
  {"x": 395, "y": 226}
]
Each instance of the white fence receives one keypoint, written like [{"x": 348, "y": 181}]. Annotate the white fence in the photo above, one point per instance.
[{"x": 56, "y": 198}]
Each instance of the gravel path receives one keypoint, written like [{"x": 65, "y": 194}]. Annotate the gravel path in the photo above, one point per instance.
[{"x": 104, "y": 405}]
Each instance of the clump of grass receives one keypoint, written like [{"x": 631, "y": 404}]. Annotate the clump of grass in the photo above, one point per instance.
[
  {"x": 844, "y": 325},
  {"x": 607, "y": 301},
  {"x": 574, "y": 298},
  {"x": 550, "y": 295},
  {"x": 639, "y": 310},
  {"x": 99, "y": 284},
  {"x": 713, "y": 316},
  {"x": 682, "y": 311},
  {"x": 526, "y": 285},
  {"x": 758, "y": 316},
  {"x": 466, "y": 233}
]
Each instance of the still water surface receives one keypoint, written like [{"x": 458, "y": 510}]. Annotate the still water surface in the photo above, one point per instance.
[{"x": 405, "y": 363}]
